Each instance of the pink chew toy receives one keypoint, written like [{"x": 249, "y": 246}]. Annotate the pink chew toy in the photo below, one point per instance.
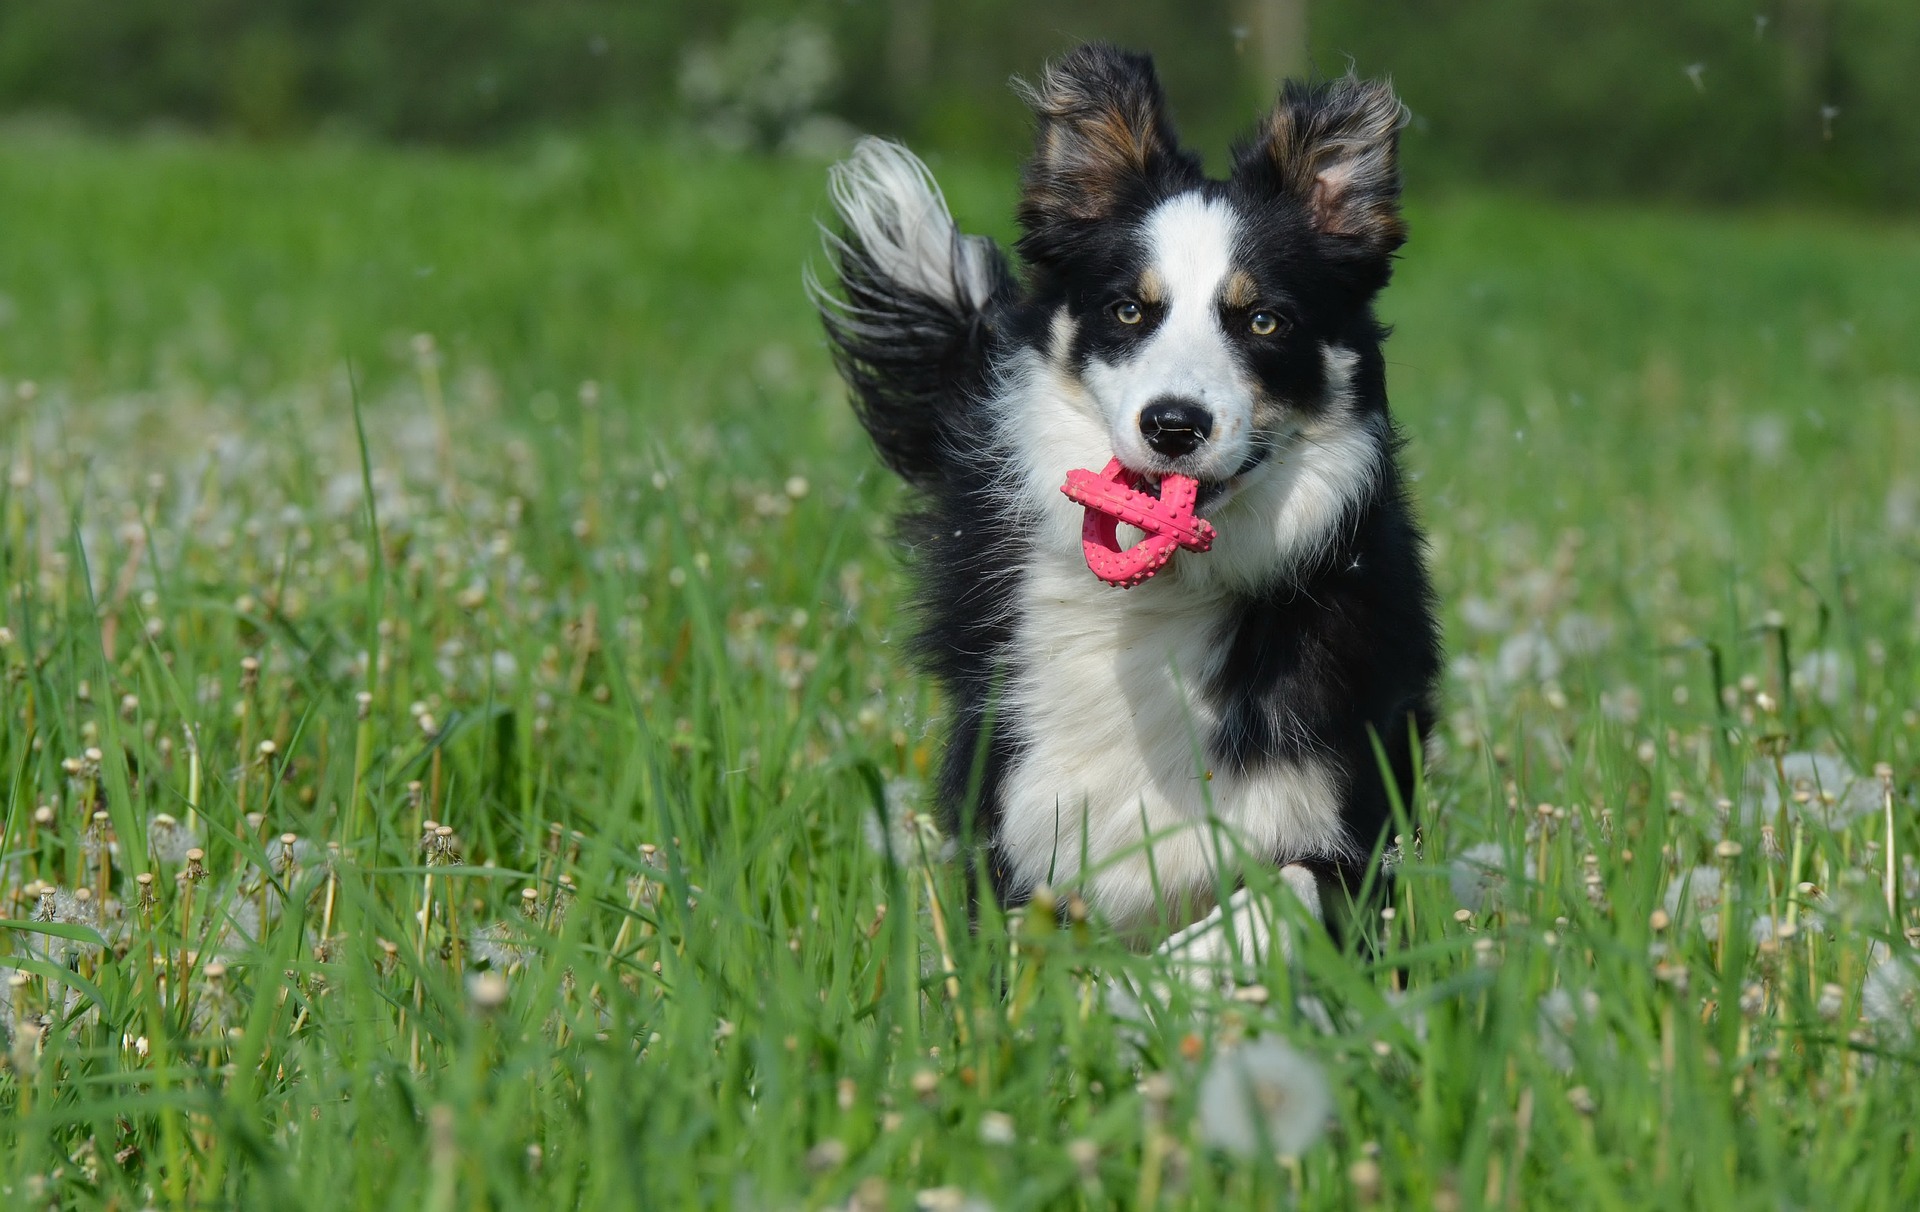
[{"x": 1113, "y": 496}]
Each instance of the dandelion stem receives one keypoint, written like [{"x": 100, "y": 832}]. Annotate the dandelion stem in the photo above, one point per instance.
[
  {"x": 240, "y": 792},
  {"x": 1793, "y": 871},
  {"x": 420, "y": 956},
  {"x": 362, "y": 759},
  {"x": 1729, "y": 854},
  {"x": 1885, "y": 772},
  {"x": 939, "y": 918},
  {"x": 193, "y": 780},
  {"x": 333, "y": 889},
  {"x": 1039, "y": 922},
  {"x": 1152, "y": 1159}
]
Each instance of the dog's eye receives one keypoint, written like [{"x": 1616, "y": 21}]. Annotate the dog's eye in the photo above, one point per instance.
[
  {"x": 1264, "y": 323},
  {"x": 1128, "y": 312}
]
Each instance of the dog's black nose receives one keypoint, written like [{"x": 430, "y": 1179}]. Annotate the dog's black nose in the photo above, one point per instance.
[{"x": 1175, "y": 427}]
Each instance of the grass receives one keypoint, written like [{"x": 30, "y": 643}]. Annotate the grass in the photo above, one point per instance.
[{"x": 522, "y": 762}]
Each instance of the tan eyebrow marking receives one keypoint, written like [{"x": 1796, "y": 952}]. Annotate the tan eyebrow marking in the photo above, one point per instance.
[
  {"x": 1152, "y": 288},
  {"x": 1240, "y": 289}
]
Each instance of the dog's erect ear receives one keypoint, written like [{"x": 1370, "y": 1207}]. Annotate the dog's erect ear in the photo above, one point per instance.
[
  {"x": 1102, "y": 136},
  {"x": 1334, "y": 147}
]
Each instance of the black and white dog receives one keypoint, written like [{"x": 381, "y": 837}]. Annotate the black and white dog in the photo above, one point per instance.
[{"x": 1141, "y": 746}]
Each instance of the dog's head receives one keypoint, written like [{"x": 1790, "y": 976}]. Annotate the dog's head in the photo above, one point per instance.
[{"x": 1198, "y": 314}]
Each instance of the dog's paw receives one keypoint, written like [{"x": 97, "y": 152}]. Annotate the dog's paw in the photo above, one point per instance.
[
  {"x": 1242, "y": 936},
  {"x": 1228, "y": 947}
]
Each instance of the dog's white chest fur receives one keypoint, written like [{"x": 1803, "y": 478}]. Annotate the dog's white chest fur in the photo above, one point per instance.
[{"x": 1114, "y": 752}]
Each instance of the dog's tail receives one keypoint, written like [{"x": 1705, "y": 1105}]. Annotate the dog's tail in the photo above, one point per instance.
[{"x": 911, "y": 324}]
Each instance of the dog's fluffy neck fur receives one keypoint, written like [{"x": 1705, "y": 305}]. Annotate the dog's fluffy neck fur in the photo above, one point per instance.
[{"x": 1141, "y": 745}]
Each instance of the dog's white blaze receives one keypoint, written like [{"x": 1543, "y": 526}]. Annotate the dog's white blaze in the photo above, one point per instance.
[
  {"x": 1190, "y": 249},
  {"x": 894, "y": 210}
]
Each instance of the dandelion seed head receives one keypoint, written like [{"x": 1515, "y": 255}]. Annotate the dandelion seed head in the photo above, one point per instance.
[
  {"x": 997, "y": 1128},
  {"x": 1821, "y": 788},
  {"x": 1085, "y": 1156},
  {"x": 1478, "y": 876},
  {"x": 1557, "y": 1022},
  {"x": 1695, "y": 895},
  {"x": 1527, "y": 657},
  {"x": 1890, "y": 998},
  {"x": 487, "y": 991},
  {"x": 1261, "y": 1095},
  {"x": 949, "y": 1199},
  {"x": 1832, "y": 999}
]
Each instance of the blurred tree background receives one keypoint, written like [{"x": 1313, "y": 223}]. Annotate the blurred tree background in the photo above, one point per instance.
[{"x": 1697, "y": 99}]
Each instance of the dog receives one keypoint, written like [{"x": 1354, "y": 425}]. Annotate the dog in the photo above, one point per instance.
[{"x": 1258, "y": 703}]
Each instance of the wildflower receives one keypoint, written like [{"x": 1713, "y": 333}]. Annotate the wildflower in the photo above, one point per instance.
[
  {"x": 1478, "y": 876},
  {"x": 1558, "y": 1019},
  {"x": 1822, "y": 788},
  {"x": 996, "y": 1128},
  {"x": 1264, "y": 1094},
  {"x": 1483, "y": 616},
  {"x": 1486, "y": 953},
  {"x": 1826, "y": 674},
  {"x": 25, "y": 1054},
  {"x": 1766, "y": 927},
  {"x": 1832, "y": 998},
  {"x": 1696, "y": 894},
  {"x": 949, "y": 1199},
  {"x": 1365, "y": 1177},
  {"x": 292, "y": 853},
  {"x": 98, "y": 842},
  {"x": 1582, "y": 634},
  {"x": 503, "y": 666},
  {"x": 487, "y": 991},
  {"x": 58, "y": 905},
  {"x": 1623, "y": 704},
  {"x": 1409, "y": 1012},
  {"x": 1085, "y": 1155},
  {"x": 500, "y": 946},
  {"x": 830, "y": 1154},
  {"x": 15, "y": 999},
  {"x": 1890, "y": 998},
  {"x": 1527, "y": 656},
  {"x": 244, "y": 921},
  {"x": 910, "y": 832}
]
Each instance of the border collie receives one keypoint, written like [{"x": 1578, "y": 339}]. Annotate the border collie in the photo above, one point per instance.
[{"x": 1142, "y": 746}]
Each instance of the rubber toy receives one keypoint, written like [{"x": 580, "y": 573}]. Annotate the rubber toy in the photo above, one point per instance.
[{"x": 1117, "y": 495}]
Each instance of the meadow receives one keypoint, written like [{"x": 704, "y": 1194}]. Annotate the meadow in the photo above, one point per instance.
[{"x": 458, "y": 751}]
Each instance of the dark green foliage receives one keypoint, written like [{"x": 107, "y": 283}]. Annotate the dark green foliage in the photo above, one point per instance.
[{"x": 1705, "y": 99}]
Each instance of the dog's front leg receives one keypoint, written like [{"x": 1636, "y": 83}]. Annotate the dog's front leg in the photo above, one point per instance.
[{"x": 1240, "y": 936}]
